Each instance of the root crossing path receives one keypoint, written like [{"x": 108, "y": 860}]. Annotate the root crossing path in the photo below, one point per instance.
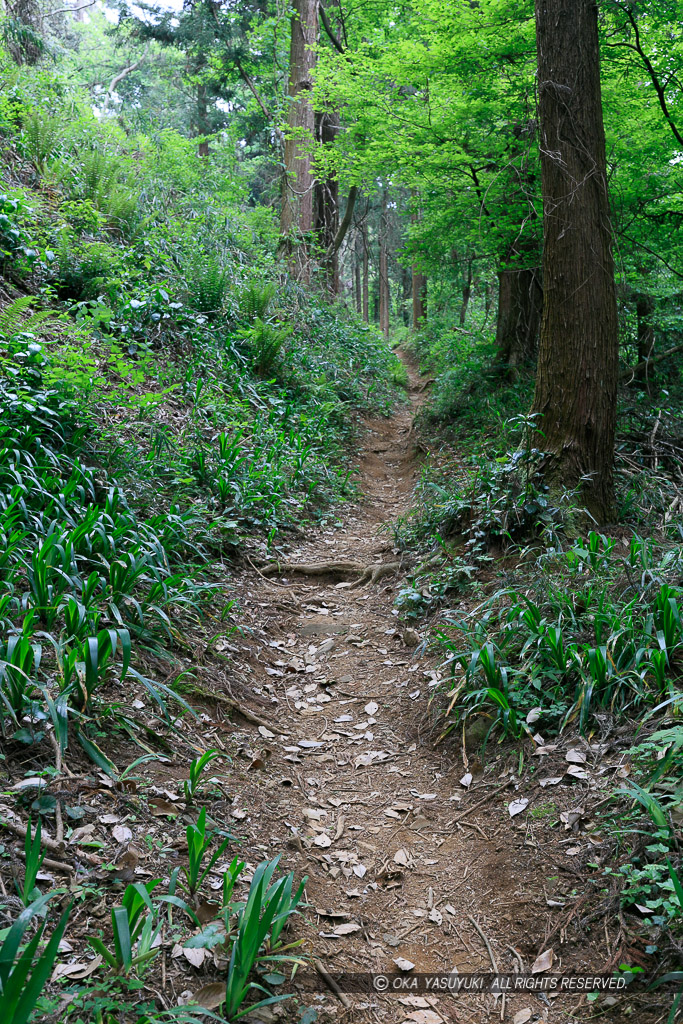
[{"x": 405, "y": 864}]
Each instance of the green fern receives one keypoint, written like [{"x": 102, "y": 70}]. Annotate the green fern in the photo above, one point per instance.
[
  {"x": 255, "y": 300},
  {"x": 13, "y": 318},
  {"x": 207, "y": 283},
  {"x": 41, "y": 137}
]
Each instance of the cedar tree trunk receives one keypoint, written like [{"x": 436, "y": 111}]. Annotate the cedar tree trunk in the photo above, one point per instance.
[{"x": 576, "y": 384}]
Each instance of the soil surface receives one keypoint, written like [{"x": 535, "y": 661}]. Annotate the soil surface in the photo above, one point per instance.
[{"x": 406, "y": 862}]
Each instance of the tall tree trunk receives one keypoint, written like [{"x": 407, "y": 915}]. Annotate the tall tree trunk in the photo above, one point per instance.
[
  {"x": 520, "y": 300},
  {"x": 419, "y": 297},
  {"x": 357, "y": 260},
  {"x": 366, "y": 276},
  {"x": 384, "y": 296},
  {"x": 466, "y": 292},
  {"x": 296, "y": 218},
  {"x": 419, "y": 284},
  {"x": 326, "y": 220},
  {"x": 202, "y": 120},
  {"x": 576, "y": 384},
  {"x": 645, "y": 307}
]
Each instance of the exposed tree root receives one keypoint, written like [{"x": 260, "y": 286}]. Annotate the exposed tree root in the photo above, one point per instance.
[
  {"x": 373, "y": 573},
  {"x": 220, "y": 698},
  {"x": 366, "y": 573},
  {"x": 313, "y": 568}
]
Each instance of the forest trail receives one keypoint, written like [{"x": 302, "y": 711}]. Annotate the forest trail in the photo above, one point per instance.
[{"x": 363, "y": 803}]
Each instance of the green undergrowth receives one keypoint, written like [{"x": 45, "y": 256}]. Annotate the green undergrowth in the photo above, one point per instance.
[
  {"x": 546, "y": 627},
  {"x": 169, "y": 396},
  {"x": 170, "y": 399}
]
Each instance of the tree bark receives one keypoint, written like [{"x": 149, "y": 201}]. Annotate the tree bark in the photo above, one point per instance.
[
  {"x": 645, "y": 307},
  {"x": 366, "y": 276},
  {"x": 357, "y": 260},
  {"x": 520, "y": 300},
  {"x": 326, "y": 202},
  {"x": 419, "y": 283},
  {"x": 466, "y": 292},
  {"x": 384, "y": 296},
  {"x": 576, "y": 384},
  {"x": 296, "y": 218}
]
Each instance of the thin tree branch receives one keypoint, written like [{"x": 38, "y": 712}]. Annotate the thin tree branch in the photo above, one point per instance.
[
  {"x": 633, "y": 370},
  {"x": 334, "y": 39},
  {"x": 659, "y": 89},
  {"x": 252, "y": 88},
  {"x": 70, "y": 10},
  {"x": 122, "y": 74},
  {"x": 346, "y": 220}
]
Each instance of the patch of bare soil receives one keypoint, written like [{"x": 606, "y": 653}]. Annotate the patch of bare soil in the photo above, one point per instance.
[
  {"x": 420, "y": 858},
  {"x": 414, "y": 851}
]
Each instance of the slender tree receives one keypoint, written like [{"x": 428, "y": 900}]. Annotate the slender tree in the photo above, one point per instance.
[
  {"x": 296, "y": 218},
  {"x": 576, "y": 383}
]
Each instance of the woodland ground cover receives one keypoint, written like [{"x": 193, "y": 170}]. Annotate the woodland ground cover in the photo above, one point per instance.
[
  {"x": 181, "y": 394},
  {"x": 164, "y": 400}
]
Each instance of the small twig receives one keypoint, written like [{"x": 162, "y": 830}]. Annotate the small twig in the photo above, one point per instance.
[
  {"x": 332, "y": 984},
  {"x": 473, "y": 824},
  {"x": 273, "y": 583},
  {"x": 58, "y": 865},
  {"x": 480, "y": 803},
  {"x": 493, "y": 960},
  {"x": 518, "y": 958},
  {"x": 59, "y": 823}
]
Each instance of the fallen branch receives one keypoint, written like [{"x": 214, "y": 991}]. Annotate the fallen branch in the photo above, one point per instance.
[
  {"x": 219, "y": 698},
  {"x": 52, "y": 844},
  {"x": 331, "y": 984},
  {"x": 631, "y": 371},
  {"x": 493, "y": 960}
]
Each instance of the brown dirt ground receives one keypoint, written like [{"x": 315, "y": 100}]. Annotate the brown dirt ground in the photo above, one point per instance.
[
  {"x": 355, "y": 793},
  {"x": 343, "y": 813}
]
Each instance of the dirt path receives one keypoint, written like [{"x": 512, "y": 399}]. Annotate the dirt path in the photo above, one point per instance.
[{"x": 365, "y": 806}]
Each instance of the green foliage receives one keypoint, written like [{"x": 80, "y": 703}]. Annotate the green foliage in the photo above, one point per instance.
[
  {"x": 192, "y": 785},
  {"x": 199, "y": 841},
  {"x": 577, "y": 636},
  {"x": 23, "y": 973},
  {"x": 268, "y": 907},
  {"x": 133, "y": 931}
]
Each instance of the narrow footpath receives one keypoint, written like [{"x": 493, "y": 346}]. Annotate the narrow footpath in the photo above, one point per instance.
[{"x": 406, "y": 863}]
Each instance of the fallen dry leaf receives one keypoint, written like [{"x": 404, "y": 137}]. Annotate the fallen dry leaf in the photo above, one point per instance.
[
  {"x": 122, "y": 834},
  {"x": 372, "y": 708},
  {"x": 76, "y": 971},
  {"x": 575, "y": 756},
  {"x": 522, "y": 1016},
  {"x": 194, "y": 956},
  {"x": 551, "y": 781},
  {"x": 424, "y": 1017},
  {"x": 543, "y": 962},
  {"x": 210, "y": 996},
  {"x": 347, "y": 929},
  {"x": 403, "y": 964},
  {"x": 517, "y": 806}
]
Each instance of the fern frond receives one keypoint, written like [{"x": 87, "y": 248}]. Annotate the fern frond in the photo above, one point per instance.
[{"x": 13, "y": 318}]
